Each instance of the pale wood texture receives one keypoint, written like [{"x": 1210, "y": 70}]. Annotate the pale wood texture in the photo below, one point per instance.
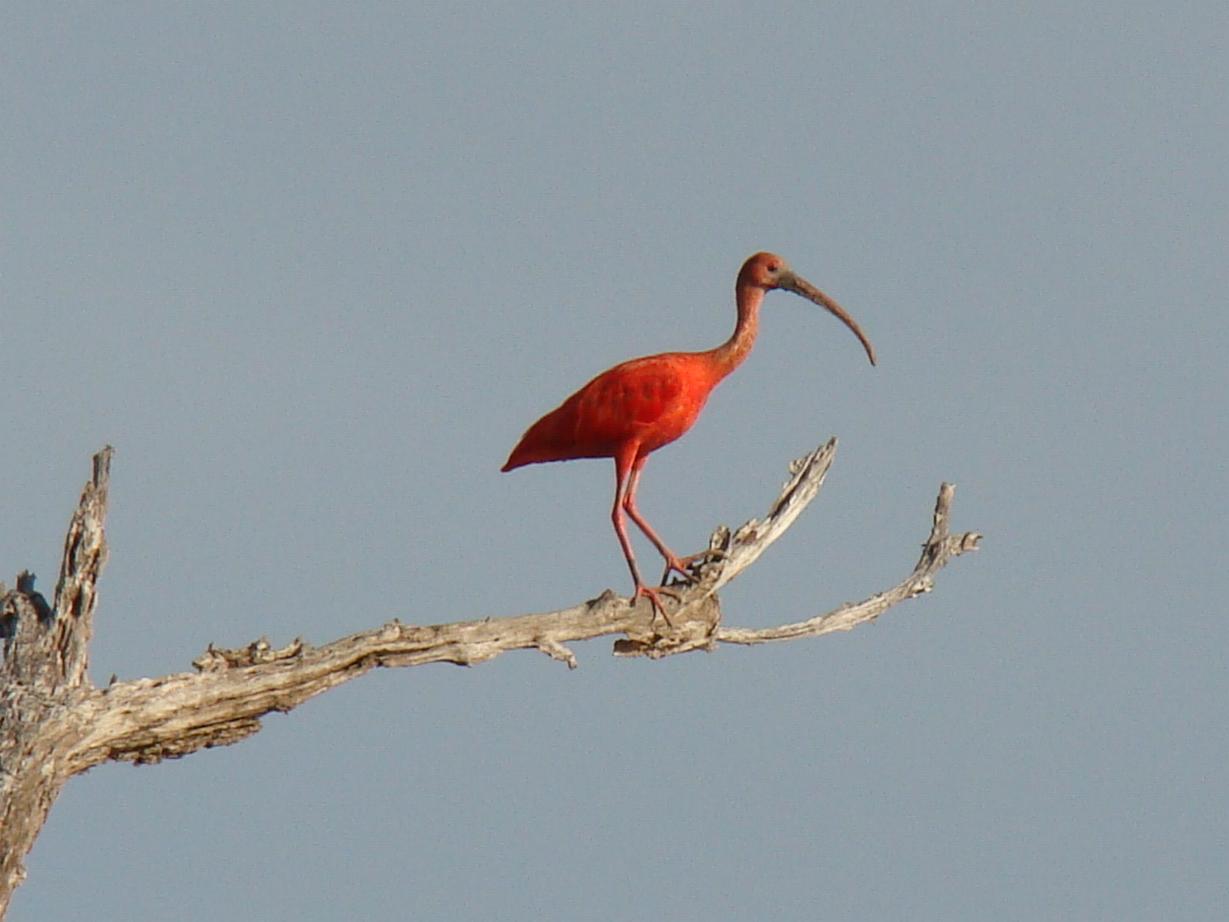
[{"x": 54, "y": 723}]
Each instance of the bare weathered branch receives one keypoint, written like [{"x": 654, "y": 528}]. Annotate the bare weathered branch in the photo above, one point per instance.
[
  {"x": 85, "y": 554},
  {"x": 54, "y": 723},
  {"x": 939, "y": 548}
]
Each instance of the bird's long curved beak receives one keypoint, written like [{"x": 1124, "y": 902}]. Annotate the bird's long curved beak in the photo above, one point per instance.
[{"x": 801, "y": 286}]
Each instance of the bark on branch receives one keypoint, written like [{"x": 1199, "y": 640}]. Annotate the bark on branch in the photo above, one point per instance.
[{"x": 54, "y": 723}]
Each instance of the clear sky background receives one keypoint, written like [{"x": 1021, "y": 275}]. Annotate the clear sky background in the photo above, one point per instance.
[{"x": 313, "y": 269}]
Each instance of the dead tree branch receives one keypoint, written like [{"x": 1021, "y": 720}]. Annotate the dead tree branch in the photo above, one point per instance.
[
  {"x": 939, "y": 548},
  {"x": 54, "y": 723}
]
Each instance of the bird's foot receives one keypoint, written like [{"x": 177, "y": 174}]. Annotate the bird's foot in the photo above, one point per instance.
[
  {"x": 685, "y": 565},
  {"x": 654, "y": 597}
]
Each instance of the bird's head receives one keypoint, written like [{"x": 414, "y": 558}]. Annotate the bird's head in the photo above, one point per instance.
[
  {"x": 768, "y": 271},
  {"x": 764, "y": 270}
]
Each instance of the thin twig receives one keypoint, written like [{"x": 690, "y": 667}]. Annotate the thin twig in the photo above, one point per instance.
[{"x": 938, "y": 549}]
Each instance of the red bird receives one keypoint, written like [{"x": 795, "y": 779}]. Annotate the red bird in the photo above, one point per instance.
[{"x": 635, "y": 408}]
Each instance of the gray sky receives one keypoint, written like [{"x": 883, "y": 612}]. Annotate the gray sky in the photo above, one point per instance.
[{"x": 312, "y": 271}]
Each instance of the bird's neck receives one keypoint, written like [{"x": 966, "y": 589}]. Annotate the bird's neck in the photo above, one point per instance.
[{"x": 730, "y": 354}]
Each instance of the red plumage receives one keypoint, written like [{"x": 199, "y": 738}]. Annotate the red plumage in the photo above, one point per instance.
[
  {"x": 648, "y": 402},
  {"x": 638, "y": 406}
]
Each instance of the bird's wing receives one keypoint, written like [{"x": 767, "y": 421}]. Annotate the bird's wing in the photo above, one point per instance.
[{"x": 633, "y": 400}]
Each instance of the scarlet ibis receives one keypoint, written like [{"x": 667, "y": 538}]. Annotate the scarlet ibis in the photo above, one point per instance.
[{"x": 633, "y": 409}]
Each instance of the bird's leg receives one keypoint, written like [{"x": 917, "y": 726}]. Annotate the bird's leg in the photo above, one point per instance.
[
  {"x": 688, "y": 562},
  {"x": 622, "y": 466},
  {"x": 673, "y": 561}
]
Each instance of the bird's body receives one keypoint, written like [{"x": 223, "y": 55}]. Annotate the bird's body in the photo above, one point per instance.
[
  {"x": 638, "y": 406},
  {"x": 649, "y": 401}
]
